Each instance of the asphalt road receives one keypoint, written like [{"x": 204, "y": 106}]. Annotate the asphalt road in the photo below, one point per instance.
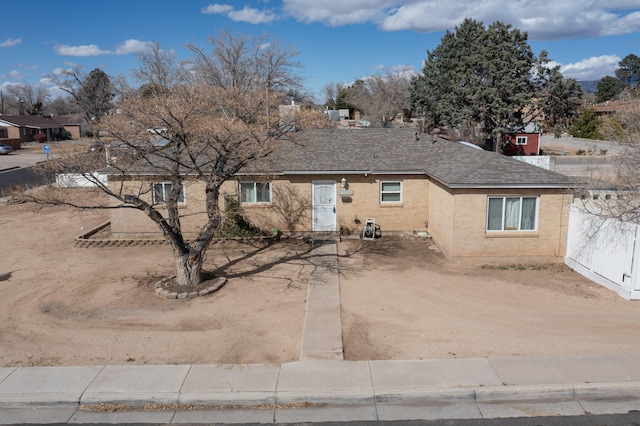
[
  {"x": 24, "y": 177},
  {"x": 628, "y": 419}
]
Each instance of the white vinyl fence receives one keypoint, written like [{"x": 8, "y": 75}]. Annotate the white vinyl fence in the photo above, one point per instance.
[
  {"x": 73, "y": 180},
  {"x": 605, "y": 251}
]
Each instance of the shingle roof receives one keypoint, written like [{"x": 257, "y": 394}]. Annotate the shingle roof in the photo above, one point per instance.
[
  {"x": 379, "y": 151},
  {"x": 394, "y": 151},
  {"x": 30, "y": 121}
]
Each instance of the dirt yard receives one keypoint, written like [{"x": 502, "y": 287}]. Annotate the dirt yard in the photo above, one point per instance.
[
  {"x": 415, "y": 305},
  {"x": 63, "y": 305}
]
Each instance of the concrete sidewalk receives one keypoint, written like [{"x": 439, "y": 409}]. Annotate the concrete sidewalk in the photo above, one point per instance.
[{"x": 330, "y": 390}]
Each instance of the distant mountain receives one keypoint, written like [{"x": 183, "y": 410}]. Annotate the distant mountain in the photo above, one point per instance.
[{"x": 589, "y": 86}]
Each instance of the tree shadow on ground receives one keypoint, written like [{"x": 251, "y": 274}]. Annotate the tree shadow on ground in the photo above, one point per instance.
[
  {"x": 388, "y": 252},
  {"x": 261, "y": 259}
]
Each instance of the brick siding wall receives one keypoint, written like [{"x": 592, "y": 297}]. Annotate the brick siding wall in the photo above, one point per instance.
[{"x": 456, "y": 218}]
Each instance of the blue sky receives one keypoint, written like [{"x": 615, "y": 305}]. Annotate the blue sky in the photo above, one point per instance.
[{"x": 338, "y": 40}]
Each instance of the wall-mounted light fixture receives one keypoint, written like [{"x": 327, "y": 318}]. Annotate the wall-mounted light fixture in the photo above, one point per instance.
[{"x": 343, "y": 182}]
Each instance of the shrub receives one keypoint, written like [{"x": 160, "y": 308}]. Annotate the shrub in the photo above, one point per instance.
[
  {"x": 40, "y": 137},
  {"x": 63, "y": 135},
  {"x": 235, "y": 224}
]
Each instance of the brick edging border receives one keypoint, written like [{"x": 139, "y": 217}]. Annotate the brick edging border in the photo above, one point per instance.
[
  {"x": 85, "y": 240},
  {"x": 218, "y": 283}
]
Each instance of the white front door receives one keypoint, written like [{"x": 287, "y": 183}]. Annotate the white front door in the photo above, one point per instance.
[{"x": 324, "y": 205}]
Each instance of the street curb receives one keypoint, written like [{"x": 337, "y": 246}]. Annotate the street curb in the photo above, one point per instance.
[
  {"x": 509, "y": 393},
  {"x": 434, "y": 395},
  {"x": 629, "y": 389},
  {"x": 9, "y": 168}
]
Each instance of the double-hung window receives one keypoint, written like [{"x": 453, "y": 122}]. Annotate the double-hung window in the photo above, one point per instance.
[
  {"x": 390, "y": 191},
  {"x": 162, "y": 192},
  {"x": 255, "y": 192},
  {"x": 512, "y": 213}
]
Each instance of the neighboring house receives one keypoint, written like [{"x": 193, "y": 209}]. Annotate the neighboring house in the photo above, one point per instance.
[
  {"x": 25, "y": 127},
  {"x": 473, "y": 203},
  {"x": 522, "y": 142},
  {"x": 73, "y": 124},
  {"x": 606, "y": 109}
]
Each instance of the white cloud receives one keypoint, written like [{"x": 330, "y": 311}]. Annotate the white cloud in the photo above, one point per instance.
[
  {"x": 83, "y": 50},
  {"x": 15, "y": 74},
  {"x": 10, "y": 42},
  {"x": 246, "y": 14},
  {"x": 252, "y": 16},
  {"x": 217, "y": 8},
  {"x": 60, "y": 71},
  {"x": 593, "y": 68},
  {"x": 132, "y": 46},
  {"x": 29, "y": 67},
  {"x": 339, "y": 12},
  {"x": 129, "y": 46},
  {"x": 542, "y": 19}
]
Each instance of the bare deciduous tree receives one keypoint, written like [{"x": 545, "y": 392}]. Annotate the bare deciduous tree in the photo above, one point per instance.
[
  {"x": 61, "y": 106},
  {"x": 335, "y": 96},
  {"x": 247, "y": 63},
  {"x": 382, "y": 96},
  {"x": 619, "y": 198},
  {"x": 159, "y": 70},
  {"x": 214, "y": 131},
  {"x": 26, "y": 99},
  {"x": 93, "y": 93}
]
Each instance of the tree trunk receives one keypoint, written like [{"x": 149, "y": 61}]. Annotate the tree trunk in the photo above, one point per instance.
[{"x": 189, "y": 268}]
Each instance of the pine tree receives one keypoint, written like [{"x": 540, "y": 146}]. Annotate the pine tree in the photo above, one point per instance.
[{"x": 477, "y": 76}]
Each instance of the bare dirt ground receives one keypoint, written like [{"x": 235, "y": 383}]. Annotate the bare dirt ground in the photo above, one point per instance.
[
  {"x": 415, "y": 305},
  {"x": 63, "y": 305}
]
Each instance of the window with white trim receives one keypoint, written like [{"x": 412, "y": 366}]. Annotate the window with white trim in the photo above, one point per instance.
[
  {"x": 391, "y": 191},
  {"x": 255, "y": 192},
  {"x": 521, "y": 140},
  {"x": 512, "y": 213},
  {"x": 162, "y": 192}
]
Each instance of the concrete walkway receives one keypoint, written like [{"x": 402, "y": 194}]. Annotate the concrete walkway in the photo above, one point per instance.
[
  {"x": 322, "y": 386},
  {"x": 322, "y": 333}
]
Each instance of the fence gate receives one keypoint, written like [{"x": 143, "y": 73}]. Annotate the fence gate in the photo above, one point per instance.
[{"x": 605, "y": 251}]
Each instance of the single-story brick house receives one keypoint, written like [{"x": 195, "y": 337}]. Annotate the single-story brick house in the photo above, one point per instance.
[
  {"x": 473, "y": 203},
  {"x": 25, "y": 127}
]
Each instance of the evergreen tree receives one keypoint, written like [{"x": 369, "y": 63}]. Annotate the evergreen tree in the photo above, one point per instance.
[
  {"x": 608, "y": 89},
  {"x": 629, "y": 70},
  {"x": 477, "y": 76},
  {"x": 95, "y": 95},
  {"x": 559, "y": 98},
  {"x": 587, "y": 125}
]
